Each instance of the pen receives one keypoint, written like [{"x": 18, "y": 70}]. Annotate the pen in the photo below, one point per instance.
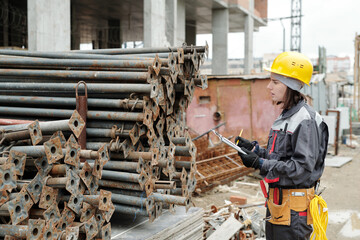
[{"x": 239, "y": 136}]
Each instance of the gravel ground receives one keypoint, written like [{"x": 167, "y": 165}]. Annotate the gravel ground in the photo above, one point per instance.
[{"x": 342, "y": 195}]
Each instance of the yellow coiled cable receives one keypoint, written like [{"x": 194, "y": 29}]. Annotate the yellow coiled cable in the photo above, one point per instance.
[{"x": 320, "y": 220}]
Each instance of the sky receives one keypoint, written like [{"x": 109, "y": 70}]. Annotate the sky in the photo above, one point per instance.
[{"x": 332, "y": 24}]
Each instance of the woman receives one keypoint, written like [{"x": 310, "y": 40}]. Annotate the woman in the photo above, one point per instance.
[{"x": 293, "y": 161}]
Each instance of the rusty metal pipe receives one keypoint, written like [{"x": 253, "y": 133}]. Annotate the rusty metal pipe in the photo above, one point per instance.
[
  {"x": 130, "y": 210},
  {"x": 64, "y": 55},
  {"x": 98, "y": 132},
  {"x": 71, "y": 102},
  {"x": 91, "y": 87},
  {"x": 46, "y": 127},
  {"x": 62, "y": 113},
  {"x": 116, "y": 165},
  {"x": 121, "y": 51},
  {"x": 120, "y": 185},
  {"x": 120, "y": 176},
  {"x": 158, "y": 197},
  {"x": 165, "y": 184},
  {"x": 83, "y": 63},
  {"x": 135, "y": 77},
  {"x": 129, "y": 200},
  {"x": 15, "y": 231},
  {"x": 58, "y": 182}
]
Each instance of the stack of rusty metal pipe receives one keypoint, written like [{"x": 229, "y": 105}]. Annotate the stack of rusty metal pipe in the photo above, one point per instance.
[{"x": 126, "y": 149}]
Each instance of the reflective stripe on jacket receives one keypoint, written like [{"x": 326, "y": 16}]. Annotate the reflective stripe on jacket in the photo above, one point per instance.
[{"x": 296, "y": 150}]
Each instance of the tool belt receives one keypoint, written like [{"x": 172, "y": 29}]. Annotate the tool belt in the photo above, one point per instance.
[{"x": 281, "y": 201}]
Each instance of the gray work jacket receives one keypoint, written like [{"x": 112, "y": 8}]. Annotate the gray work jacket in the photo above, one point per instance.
[{"x": 296, "y": 149}]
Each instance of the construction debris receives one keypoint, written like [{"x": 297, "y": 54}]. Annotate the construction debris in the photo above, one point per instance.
[
  {"x": 126, "y": 149},
  {"x": 216, "y": 165},
  {"x": 233, "y": 221}
]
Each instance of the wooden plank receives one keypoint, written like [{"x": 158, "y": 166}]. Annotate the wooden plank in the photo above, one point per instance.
[{"x": 227, "y": 229}]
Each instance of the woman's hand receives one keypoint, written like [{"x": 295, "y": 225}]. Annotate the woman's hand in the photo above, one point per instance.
[{"x": 244, "y": 143}]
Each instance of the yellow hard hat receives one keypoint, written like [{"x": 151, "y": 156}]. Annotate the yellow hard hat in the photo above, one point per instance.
[{"x": 293, "y": 64}]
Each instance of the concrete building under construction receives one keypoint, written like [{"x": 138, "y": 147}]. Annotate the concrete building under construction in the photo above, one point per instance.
[{"x": 61, "y": 25}]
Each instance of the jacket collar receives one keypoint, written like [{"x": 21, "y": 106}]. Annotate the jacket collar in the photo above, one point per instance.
[{"x": 288, "y": 113}]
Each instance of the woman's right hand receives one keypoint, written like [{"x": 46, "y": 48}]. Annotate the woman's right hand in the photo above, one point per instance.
[{"x": 244, "y": 143}]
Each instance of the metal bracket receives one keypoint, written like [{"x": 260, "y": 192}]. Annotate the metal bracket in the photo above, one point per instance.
[
  {"x": 35, "y": 132},
  {"x": 126, "y": 148},
  {"x": 134, "y": 134},
  {"x": 50, "y": 232},
  {"x": 169, "y": 122},
  {"x": 105, "y": 232},
  {"x": 97, "y": 169},
  {"x": 76, "y": 123},
  {"x": 105, "y": 200},
  {"x": 43, "y": 166},
  {"x": 160, "y": 125},
  {"x": 75, "y": 202},
  {"x": 61, "y": 136},
  {"x": 19, "y": 160},
  {"x": 73, "y": 181},
  {"x": 17, "y": 210},
  {"x": 142, "y": 179},
  {"x": 154, "y": 89},
  {"x": 140, "y": 165},
  {"x": 148, "y": 118},
  {"x": 67, "y": 214},
  {"x": 28, "y": 201},
  {"x": 169, "y": 107},
  {"x": 155, "y": 109},
  {"x": 7, "y": 177},
  {"x": 157, "y": 64},
  {"x": 35, "y": 187},
  {"x": 149, "y": 186},
  {"x": 158, "y": 209},
  {"x": 35, "y": 229},
  {"x": 180, "y": 52},
  {"x": 48, "y": 197},
  {"x": 52, "y": 214},
  {"x": 4, "y": 197},
  {"x": 86, "y": 174},
  {"x": 195, "y": 60},
  {"x": 152, "y": 214},
  {"x": 86, "y": 212},
  {"x": 108, "y": 214},
  {"x": 150, "y": 203},
  {"x": 72, "y": 233},
  {"x": 72, "y": 155},
  {"x": 100, "y": 219},
  {"x": 91, "y": 228},
  {"x": 53, "y": 150}
]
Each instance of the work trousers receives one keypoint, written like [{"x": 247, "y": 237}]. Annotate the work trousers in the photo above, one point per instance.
[{"x": 298, "y": 229}]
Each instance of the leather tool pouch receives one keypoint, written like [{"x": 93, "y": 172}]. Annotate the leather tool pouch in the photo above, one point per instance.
[{"x": 280, "y": 214}]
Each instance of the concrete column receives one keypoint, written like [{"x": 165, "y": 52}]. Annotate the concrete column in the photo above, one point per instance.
[
  {"x": 249, "y": 30},
  {"x": 175, "y": 22},
  {"x": 220, "y": 30},
  {"x": 75, "y": 30},
  {"x": 190, "y": 32},
  {"x": 49, "y": 25},
  {"x": 181, "y": 23},
  {"x": 171, "y": 21},
  {"x": 154, "y": 24}
]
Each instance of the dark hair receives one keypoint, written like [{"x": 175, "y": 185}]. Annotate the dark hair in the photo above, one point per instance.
[{"x": 292, "y": 98}]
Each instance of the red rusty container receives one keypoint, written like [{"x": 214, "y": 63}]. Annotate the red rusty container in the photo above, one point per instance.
[{"x": 243, "y": 102}]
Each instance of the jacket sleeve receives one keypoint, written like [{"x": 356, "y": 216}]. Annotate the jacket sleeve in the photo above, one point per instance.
[{"x": 298, "y": 168}]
